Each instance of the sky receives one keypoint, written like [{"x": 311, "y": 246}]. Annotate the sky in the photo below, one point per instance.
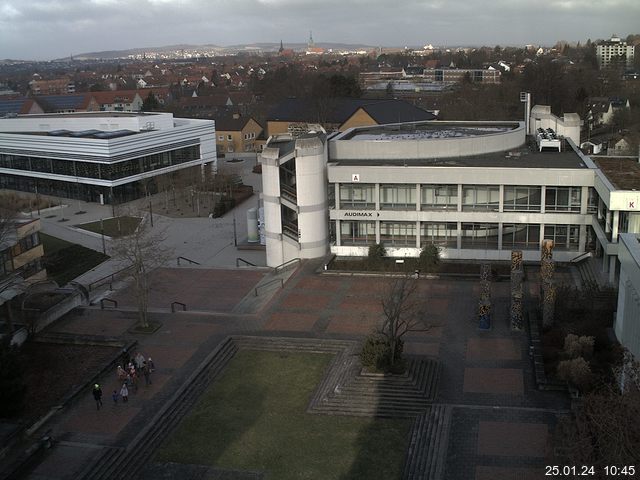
[{"x": 49, "y": 29}]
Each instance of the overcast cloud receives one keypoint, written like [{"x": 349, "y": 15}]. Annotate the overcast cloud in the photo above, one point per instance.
[{"x": 47, "y": 29}]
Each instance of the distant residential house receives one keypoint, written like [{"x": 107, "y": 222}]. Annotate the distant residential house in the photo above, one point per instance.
[
  {"x": 341, "y": 113},
  {"x": 80, "y": 102},
  {"x": 627, "y": 144},
  {"x": 59, "y": 86},
  {"x": 237, "y": 133},
  {"x": 600, "y": 110},
  {"x": 19, "y": 106},
  {"x": 118, "y": 101}
]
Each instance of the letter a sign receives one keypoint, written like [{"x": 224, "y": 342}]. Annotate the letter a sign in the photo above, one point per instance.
[{"x": 355, "y": 177}]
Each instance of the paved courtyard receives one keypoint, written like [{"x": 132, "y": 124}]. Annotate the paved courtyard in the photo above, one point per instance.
[{"x": 501, "y": 424}]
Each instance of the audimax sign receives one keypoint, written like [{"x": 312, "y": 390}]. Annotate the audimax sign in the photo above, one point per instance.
[{"x": 361, "y": 214}]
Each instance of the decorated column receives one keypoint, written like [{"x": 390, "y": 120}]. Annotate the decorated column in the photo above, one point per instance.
[
  {"x": 547, "y": 270},
  {"x": 517, "y": 277},
  {"x": 484, "y": 305}
]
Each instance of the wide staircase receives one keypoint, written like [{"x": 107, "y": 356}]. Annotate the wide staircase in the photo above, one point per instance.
[
  {"x": 426, "y": 455},
  {"x": 345, "y": 390},
  {"x": 352, "y": 391},
  {"x": 121, "y": 463}
]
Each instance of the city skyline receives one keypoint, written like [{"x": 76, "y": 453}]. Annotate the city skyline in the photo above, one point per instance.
[{"x": 45, "y": 30}]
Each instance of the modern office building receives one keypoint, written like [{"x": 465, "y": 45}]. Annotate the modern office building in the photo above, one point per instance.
[
  {"x": 476, "y": 189},
  {"x": 100, "y": 156}
]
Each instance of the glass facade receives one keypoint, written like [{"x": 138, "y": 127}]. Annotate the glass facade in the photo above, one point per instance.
[
  {"x": 562, "y": 199},
  {"x": 357, "y": 196},
  {"x": 441, "y": 234},
  {"x": 104, "y": 171},
  {"x": 522, "y": 198},
  {"x": 480, "y": 197},
  {"x": 520, "y": 236},
  {"x": 439, "y": 197},
  {"x": 565, "y": 237},
  {"x": 481, "y": 236},
  {"x": 397, "y": 197},
  {"x": 398, "y": 234},
  {"x": 357, "y": 233}
]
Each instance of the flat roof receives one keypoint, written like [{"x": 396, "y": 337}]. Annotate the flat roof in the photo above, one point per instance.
[
  {"x": 92, "y": 133},
  {"x": 428, "y": 130},
  {"x": 523, "y": 157},
  {"x": 90, "y": 114},
  {"x": 623, "y": 173}
]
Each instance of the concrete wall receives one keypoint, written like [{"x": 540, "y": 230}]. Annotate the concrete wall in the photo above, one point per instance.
[
  {"x": 345, "y": 149},
  {"x": 627, "y": 322},
  {"x": 567, "y": 126}
]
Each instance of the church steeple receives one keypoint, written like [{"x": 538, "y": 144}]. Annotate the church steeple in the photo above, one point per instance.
[
  {"x": 311, "y": 44},
  {"x": 281, "y": 49}
]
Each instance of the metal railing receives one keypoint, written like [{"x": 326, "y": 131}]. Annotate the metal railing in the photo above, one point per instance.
[
  {"x": 238, "y": 260},
  {"x": 108, "y": 279},
  {"x": 580, "y": 257},
  {"x": 187, "y": 259},
  {"x": 173, "y": 306},
  {"x": 284, "y": 265},
  {"x": 260, "y": 287}
]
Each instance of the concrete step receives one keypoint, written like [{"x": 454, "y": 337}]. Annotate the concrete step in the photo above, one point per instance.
[
  {"x": 429, "y": 439},
  {"x": 125, "y": 462}
]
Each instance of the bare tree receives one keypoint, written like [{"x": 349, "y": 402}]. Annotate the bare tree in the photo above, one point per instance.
[
  {"x": 404, "y": 312},
  {"x": 143, "y": 251}
]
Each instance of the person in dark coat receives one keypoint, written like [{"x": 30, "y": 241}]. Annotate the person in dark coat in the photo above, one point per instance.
[{"x": 97, "y": 395}]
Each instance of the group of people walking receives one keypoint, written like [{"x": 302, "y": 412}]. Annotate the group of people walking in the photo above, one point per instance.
[{"x": 129, "y": 375}]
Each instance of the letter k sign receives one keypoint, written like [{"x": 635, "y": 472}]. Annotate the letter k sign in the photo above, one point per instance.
[{"x": 632, "y": 205}]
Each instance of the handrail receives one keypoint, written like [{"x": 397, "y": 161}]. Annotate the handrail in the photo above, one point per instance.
[
  {"x": 188, "y": 260},
  {"x": 173, "y": 306},
  {"x": 238, "y": 260},
  {"x": 255, "y": 290},
  {"x": 102, "y": 300},
  {"x": 580, "y": 257},
  {"x": 284, "y": 265},
  {"x": 110, "y": 277}
]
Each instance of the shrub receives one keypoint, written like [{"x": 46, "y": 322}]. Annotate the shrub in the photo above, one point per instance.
[
  {"x": 575, "y": 371},
  {"x": 575, "y": 346},
  {"x": 377, "y": 252},
  {"x": 376, "y": 354},
  {"x": 429, "y": 258}
]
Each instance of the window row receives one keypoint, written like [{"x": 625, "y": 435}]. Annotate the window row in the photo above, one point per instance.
[
  {"x": 473, "y": 197},
  {"x": 103, "y": 171},
  {"x": 472, "y": 235}
]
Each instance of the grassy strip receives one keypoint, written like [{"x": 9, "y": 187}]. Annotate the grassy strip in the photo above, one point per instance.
[
  {"x": 65, "y": 261},
  {"x": 254, "y": 418},
  {"x": 113, "y": 227}
]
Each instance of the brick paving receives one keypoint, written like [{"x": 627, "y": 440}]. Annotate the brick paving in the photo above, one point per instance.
[
  {"x": 506, "y": 473},
  {"x": 513, "y": 439},
  {"x": 493, "y": 349},
  {"x": 500, "y": 423},
  {"x": 493, "y": 380},
  {"x": 352, "y": 323},
  {"x": 214, "y": 290},
  {"x": 291, "y": 322}
]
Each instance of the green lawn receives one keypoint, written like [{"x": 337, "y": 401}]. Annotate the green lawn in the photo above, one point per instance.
[
  {"x": 113, "y": 227},
  {"x": 65, "y": 261},
  {"x": 254, "y": 418}
]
